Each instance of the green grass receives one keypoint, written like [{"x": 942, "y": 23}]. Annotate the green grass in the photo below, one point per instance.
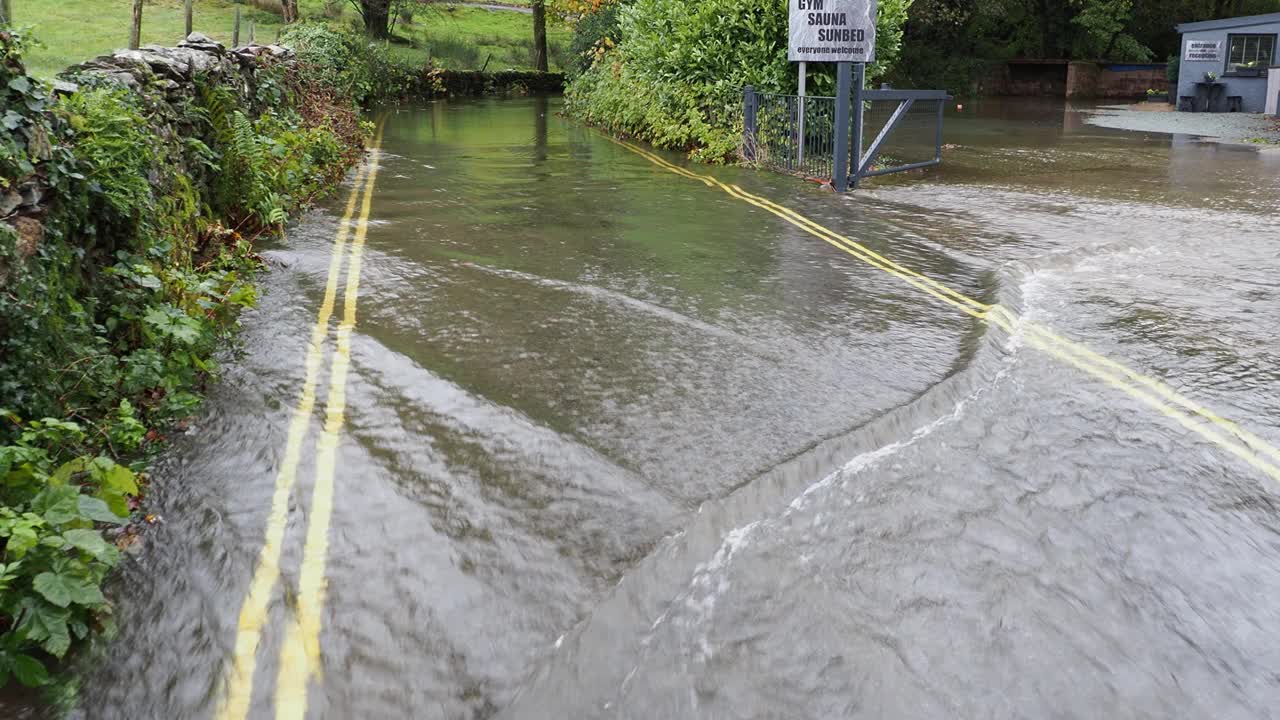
[
  {"x": 73, "y": 31},
  {"x": 458, "y": 38},
  {"x": 462, "y": 38}
]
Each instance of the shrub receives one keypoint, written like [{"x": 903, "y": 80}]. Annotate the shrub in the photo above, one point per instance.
[
  {"x": 54, "y": 559},
  {"x": 348, "y": 62},
  {"x": 676, "y": 76},
  {"x": 593, "y": 36},
  {"x": 336, "y": 59}
]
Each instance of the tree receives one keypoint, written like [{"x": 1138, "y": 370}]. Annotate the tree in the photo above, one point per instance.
[
  {"x": 289, "y": 9},
  {"x": 540, "y": 35},
  {"x": 376, "y": 15}
]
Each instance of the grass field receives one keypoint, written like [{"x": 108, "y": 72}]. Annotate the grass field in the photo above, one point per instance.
[{"x": 460, "y": 38}]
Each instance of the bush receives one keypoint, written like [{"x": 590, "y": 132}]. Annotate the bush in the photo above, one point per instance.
[
  {"x": 348, "y": 62},
  {"x": 676, "y": 76},
  {"x": 594, "y": 35},
  {"x": 55, "y": 559},
  {"x": 337, "y": 59}
]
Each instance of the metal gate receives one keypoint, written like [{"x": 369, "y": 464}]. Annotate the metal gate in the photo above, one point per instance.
[{"x": 890, "y": 131}]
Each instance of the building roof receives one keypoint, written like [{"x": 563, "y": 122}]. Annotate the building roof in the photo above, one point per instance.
[{"x": 1227, "y": 23}]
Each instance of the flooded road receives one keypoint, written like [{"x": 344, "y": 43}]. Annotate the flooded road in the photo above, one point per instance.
[{"x": 618, "y": 444}]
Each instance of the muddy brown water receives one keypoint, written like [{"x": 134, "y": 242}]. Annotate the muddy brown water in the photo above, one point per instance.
[{"x": 619, "y": 445}]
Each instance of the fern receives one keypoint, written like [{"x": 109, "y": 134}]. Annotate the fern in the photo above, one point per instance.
[
  {"x": 110, "y": 137},
  {"x": 244, "y": 188}
]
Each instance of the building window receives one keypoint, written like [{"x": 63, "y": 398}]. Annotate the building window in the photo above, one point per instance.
[{"x": 1251, "y": 53}]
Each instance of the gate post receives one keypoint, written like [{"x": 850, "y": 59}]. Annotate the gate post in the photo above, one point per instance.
[
  {"x": 840, "y": 163},
  {"x": 749, "y": 107},
  {"x": 937, "y": 147},
  {"x": 859, "y": 81}
]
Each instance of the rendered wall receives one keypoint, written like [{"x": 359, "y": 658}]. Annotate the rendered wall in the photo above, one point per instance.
[{"x": 1252, "y": 90}]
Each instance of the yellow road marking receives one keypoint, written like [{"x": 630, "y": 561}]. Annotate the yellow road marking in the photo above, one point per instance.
[
  {"x": 253, "y": 613},
  {"x": 1150, "y": 391},
  {"x": 300, "y": 655}
]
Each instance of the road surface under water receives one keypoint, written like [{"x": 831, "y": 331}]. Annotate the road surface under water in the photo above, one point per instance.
[{"x": 618, "y": 444}]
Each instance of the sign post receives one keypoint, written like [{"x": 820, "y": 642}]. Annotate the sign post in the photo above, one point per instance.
[
  {"x": 859, "y": 83},
  {"x": 804, "y": 78},
  {"x": 843, "y": 32}
]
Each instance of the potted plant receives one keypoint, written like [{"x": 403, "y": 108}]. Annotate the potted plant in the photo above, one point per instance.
[
  {"x": 1157, "y": 96},
  {"x": 1249, "y": 69},
  {"x": 1211, "y": 77}
]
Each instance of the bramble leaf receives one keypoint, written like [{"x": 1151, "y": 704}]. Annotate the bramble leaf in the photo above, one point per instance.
[
  {"x": 91, "y": 542},
  {"x": 53, "y": 588},
  {"x": 29, "y": 671},
  {"x": 97, "y": 510}
]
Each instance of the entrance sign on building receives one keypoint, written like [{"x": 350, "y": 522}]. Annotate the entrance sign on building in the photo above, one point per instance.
[
  {"x": 833, "y": 31},
  {"x": 1204, "y": 51}
]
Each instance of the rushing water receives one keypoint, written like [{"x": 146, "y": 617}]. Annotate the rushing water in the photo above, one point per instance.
[{"x": 619, "y": 445}]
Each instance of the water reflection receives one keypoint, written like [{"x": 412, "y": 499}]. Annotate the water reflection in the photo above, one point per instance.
[{"x": 1048, "y": 145}]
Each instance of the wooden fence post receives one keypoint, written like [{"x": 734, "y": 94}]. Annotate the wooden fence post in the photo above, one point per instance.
[
  {"x": 235, "y": 33},
  {"x": 250, "y": 32},
  {"x": 6, "y": 12},
  {"x": 190, "y": 11},
  {"x": 135, "y": 32}
]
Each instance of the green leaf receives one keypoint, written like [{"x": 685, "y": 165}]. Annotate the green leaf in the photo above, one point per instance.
[
  {"x": 22, "y": 539},
  {"x": 91, "y": 541},
  {"x": 29, "y": 671},
  {"x": 121, "y": 479},
  {"x": 47, "y": 626},
  {"x": 61, "y": 506},
  {"x": 97, "y": 510},
  {"x": 63, "y": 474},
  {"x": 87, "y": 594},
  {"x": 21, "y": 83},
  {"x": 116, "y": 502},
  {"x": 143, "y": 276},
  {"x": 171, "y": 322},
  {"x": 53, "y": 588}
]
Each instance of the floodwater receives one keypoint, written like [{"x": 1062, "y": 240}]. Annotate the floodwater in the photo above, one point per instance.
[{"x": 620, "y": 445}]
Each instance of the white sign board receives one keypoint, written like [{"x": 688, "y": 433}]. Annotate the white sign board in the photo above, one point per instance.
[
  {"x": 833, "y": 31},
  {"x": 1204, "y": 51}
]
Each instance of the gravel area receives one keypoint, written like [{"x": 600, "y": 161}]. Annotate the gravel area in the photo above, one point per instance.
[
  {"x": 496, "y": 7},
  {"x": 1226, "y": 127}
]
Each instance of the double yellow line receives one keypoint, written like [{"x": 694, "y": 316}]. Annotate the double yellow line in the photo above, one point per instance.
[
  {"x": 300, "y": 654},
  {"x": 1151, "y": 392}
]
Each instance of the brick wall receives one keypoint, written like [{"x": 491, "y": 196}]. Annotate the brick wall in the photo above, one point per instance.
[
  {"x": 1131, "y": 82},
  {"x": 1074, "y": 80}
]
